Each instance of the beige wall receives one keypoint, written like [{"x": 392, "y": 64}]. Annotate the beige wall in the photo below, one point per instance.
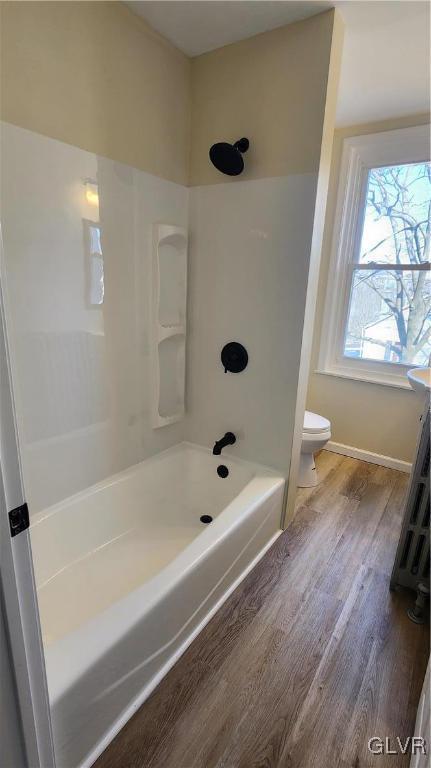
[
  {"x": 270, "y": 88},
  {"x": 372, "y": 417},
  {"x": 94, "y": 75}
]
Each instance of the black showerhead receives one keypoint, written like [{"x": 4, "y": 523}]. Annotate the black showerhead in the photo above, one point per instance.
[{"x": 227, "y": 158}]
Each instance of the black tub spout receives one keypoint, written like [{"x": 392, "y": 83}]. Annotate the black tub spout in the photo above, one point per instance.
[{"x": 228, "y": 439}]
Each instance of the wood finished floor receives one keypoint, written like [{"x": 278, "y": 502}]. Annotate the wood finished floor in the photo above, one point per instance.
[{"x": 310, "y": 656}]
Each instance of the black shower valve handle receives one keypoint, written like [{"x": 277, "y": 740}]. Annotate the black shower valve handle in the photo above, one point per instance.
[{"x": 234, "y": 357}]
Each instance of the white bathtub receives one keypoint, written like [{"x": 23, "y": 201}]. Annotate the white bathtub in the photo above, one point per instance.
[{"x": 127, "y": 575}]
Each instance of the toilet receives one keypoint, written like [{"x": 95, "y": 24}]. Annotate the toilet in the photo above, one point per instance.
[{"x": 315, "y": 434}]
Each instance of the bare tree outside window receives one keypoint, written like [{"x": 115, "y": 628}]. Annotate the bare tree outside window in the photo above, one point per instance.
[{"x": 389, "y": 315}]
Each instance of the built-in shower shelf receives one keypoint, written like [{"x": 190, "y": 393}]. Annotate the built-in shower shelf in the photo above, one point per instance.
[{"x": 169, "y": 322}]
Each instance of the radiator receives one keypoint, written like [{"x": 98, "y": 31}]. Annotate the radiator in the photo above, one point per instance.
[{"x": 412, "y": 561}]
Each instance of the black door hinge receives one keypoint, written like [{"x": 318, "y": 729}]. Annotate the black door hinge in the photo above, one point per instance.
[{"x": 18, "y": 519}]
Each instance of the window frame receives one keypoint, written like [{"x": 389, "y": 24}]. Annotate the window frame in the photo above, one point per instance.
[{"x": 359, "y": 155}]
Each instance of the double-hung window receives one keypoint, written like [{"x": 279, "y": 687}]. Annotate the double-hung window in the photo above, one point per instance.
[{"x": 377, "y": 321}]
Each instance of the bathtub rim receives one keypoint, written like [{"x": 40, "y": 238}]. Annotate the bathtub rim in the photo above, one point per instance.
[{"x": 38, "y": 517}]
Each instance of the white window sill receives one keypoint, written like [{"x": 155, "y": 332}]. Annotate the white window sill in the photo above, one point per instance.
[{"x": 368, "y": 378}]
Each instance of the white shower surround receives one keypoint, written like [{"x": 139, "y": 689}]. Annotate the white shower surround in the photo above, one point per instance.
[
  {"x": 247, "y": 280},
  {"x": 82, "y": 375},
  {"x": 127, "y": 575},
  {"x": 250, "y": 240},
  {"x": 248, "y": 272}
]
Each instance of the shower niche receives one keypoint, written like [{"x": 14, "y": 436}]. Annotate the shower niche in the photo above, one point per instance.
[{"x": 169, "y": 291}]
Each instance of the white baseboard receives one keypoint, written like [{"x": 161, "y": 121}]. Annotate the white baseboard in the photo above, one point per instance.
[{"x": 372, "y": 458}]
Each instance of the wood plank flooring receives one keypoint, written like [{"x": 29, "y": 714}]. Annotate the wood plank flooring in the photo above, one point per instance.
[{"x": 310, "y": 656}]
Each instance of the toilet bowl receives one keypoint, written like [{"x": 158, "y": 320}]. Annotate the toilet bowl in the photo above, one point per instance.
[{"x": 315, "y": 434}]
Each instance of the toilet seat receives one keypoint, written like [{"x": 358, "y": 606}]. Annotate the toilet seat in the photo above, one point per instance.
[{"x": 315, "y": 424}]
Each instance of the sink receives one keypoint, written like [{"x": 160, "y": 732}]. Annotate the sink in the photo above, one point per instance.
[{"x": 420, "y": 379}]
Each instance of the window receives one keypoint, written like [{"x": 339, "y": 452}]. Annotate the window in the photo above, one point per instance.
[{"x": 378, "y": 305}]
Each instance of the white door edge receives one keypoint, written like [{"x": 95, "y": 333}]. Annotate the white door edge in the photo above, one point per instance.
[{"x": 17, "y": 580}]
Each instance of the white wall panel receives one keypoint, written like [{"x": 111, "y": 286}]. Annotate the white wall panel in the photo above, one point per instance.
[
  {"x": 81, "y": 372},
  {"x": 82, "y": 376},
  {"x": 249, "y": 260}
]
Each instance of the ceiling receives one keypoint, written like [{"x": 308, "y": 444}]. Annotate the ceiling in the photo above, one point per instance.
[
  {"x": 385, "y": 70},
  {"x": 198, "y": 26}
]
